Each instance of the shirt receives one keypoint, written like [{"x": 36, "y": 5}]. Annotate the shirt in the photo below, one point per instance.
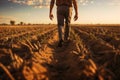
[{"x": 64, "y": 2}]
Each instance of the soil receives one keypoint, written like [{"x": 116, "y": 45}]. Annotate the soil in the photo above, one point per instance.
[{"x": 60, "y": 62}]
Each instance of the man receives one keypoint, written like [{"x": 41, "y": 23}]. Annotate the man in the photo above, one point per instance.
[{"x": 64, "y": 12}]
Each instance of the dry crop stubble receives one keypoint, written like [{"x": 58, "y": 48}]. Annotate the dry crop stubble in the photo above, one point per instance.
[{"x": 93, "y": 57}]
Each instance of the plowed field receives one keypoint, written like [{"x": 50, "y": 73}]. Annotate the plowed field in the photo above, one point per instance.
[{"x": 31, "y": 53}]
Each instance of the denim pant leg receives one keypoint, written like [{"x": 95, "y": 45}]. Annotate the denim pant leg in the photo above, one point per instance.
[
  {"x": 60, "y": 20},
  {"x": 67, "y": 23},
  {"x": 60, "y": 32}
]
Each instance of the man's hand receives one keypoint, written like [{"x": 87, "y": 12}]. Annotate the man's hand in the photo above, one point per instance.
[
  {"x": 75, "y": 17},
  {"x": 51, "y": 16},
  {"x": 76, "y": 9},
  {"x": 51, "y": 7}
]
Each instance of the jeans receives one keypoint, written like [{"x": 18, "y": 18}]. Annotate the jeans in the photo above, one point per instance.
[{"x": 64, "y": 13}]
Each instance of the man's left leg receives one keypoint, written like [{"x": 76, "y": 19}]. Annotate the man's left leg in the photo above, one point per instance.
[{"x": 67, "y": 32}]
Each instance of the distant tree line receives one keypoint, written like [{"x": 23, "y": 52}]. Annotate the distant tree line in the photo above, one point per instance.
[{"x": 13, "y": 22}]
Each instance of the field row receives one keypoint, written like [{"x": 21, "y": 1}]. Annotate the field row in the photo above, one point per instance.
[
  {"x": 16, "y": 56},
  {"x": 92, "y": 54},
  {"x": 105, "y": 55},
  {"x": 110, "y": 35},
  {"x": 16, "y": 34},
  {"x": 104, "y": 30}
]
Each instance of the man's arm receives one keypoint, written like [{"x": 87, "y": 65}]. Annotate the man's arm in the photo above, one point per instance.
[
  {"x": 51, "y": 8},
  {"x": 76, "y": 9}
]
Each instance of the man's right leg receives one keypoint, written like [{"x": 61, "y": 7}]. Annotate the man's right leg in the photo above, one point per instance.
[
  {"x": 60, "y": 32},
  {"x": 60, "y": 20}
]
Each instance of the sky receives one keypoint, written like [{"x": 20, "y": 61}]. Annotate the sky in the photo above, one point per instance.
[{"x": 37, "y": 11}]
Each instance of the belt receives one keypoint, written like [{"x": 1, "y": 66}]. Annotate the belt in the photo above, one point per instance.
[{"x": 65, "y": 5}]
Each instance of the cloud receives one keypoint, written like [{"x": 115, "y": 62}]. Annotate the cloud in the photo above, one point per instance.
[
  {"x": 34, "y": 3},
  {"x": 45, "y": 3},
  {"x": 85, "y": 2},
  {"x": 114, "y": 2}
]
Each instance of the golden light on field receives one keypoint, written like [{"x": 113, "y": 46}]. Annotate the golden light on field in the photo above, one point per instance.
[
  {"x": 30, "y": 52},
  {"x": 29, "y": 47}
]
